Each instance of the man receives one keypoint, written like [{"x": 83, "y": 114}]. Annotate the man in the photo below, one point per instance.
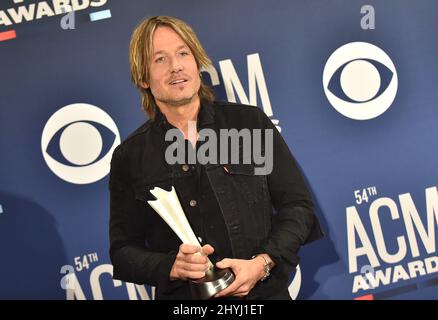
[{"x": 229, "y": 207}]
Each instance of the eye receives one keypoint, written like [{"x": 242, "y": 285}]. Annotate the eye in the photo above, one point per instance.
[
  {"x": 160, "y": 59},
  {"x": 78, "y": 141},
  {"x": 184, "y": 53},
  {"x": 360, "y": 80}
]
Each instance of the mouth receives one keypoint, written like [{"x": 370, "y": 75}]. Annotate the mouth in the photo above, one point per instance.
[{"x": 177, "y": 81}]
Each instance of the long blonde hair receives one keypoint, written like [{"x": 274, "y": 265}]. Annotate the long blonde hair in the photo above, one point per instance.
[{"x": 140, "y": 53}]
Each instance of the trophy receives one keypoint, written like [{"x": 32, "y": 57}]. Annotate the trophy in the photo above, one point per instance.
[{"x": 169, "y": 208}]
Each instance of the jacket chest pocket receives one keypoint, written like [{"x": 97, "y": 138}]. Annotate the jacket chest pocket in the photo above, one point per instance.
[
  {"x": 242, "y": 177},
  {"x": 142, "y": 187}
]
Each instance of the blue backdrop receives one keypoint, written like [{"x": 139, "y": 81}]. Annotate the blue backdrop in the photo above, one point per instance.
[{"x": 66, "y": 100}]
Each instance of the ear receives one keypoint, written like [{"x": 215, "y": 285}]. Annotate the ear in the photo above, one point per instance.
[{"x": 144, "y": 85}]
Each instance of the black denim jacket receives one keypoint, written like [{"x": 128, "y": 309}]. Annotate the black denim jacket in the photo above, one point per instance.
[{"x": 263, "y": 213}]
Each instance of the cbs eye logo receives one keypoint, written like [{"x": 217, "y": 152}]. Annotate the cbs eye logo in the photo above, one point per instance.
[
  {"x": 78, "y": 142},
  {"x": 360, "y": 80}
]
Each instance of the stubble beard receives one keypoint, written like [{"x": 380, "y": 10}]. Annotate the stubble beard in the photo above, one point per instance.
[{"x": 176, "y": 103}]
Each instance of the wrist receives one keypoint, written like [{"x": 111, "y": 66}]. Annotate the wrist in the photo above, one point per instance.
[{"x": 267, "y": 265}]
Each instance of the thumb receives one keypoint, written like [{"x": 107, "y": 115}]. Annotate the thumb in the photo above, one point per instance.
[
  {"x": 224, "y": 263},
  {"x": 207, "y": 249}
]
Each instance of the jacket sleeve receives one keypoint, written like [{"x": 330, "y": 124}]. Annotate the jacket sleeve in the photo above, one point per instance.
[
  {"x": 294, "y": 222},
  {"x": 131, "y": 259}
]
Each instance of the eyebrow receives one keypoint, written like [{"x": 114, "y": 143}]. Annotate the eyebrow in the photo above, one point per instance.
[{"x": 179, "y": 48}]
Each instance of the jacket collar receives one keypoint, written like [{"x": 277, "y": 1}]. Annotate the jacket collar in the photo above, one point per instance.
[{"x": 205, "y": 116}]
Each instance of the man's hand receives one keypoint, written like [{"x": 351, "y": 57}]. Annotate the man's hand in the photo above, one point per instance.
[
  {"x": 191, "y": 262},
  {"x": 247, "y": 272}
]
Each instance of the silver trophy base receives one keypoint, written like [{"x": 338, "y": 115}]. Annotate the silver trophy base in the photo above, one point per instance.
[{"x": 215, "y": 280}]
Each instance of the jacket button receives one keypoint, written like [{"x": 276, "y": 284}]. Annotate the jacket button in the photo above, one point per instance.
[
  {"x": 185, "y": 167},
  {"x": 193, "y": 203}
]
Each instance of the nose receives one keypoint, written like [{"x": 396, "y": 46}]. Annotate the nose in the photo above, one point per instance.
[{"x": 175, "y": 65}]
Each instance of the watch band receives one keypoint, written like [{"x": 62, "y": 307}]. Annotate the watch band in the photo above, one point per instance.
[{"x": 266, "y": 267}]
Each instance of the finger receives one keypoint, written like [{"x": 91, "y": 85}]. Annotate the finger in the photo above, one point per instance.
[
  {"x": 195, "y": 259},
  {"x": 188, "y": 248},
  {"x": 242, "y": 291},
  {"x": 195, "y": 267},
  {"x": 193, "y": 274},
  {"x": 233, "y": 287},
  {"x": 207, "y": 249},
  {"x": 241, "y": 295}
]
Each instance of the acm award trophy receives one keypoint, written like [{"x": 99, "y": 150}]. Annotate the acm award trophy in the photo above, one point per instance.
[{"x": 169, "y": 208}]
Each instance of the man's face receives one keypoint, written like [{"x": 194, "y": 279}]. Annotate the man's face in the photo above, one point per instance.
[{"x": 173, "y": 74}]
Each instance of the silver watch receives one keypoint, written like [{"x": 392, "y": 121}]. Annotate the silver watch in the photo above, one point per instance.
[{"x": 267, "y": 267}]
